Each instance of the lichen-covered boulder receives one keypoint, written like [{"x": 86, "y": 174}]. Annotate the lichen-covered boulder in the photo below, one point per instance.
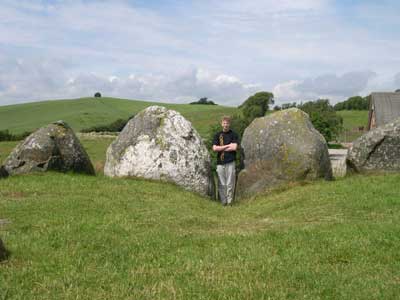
[
  {"x": 3, "y": 251},
  {"x": 280, "y": 148},
  {"x": 376, "y": 150},
  {"x": 53, "y": 147},
  {"x": 3, "y": 172},
  {"x": 161, "y": 144}
]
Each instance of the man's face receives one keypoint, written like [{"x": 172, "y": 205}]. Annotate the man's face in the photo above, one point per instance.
[{"x": 225, "y": 125}]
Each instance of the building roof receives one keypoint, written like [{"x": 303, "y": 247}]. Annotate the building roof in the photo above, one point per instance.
[{"x": 386, "y": 107}]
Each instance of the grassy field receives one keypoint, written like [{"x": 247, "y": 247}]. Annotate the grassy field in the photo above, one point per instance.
[
  {"x": 88, "y": 112},
  {"x": 352, "y": 120},
  {"x": 82, "y": 237}
]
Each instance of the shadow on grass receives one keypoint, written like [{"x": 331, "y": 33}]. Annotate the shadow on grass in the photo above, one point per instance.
[{"x": 4, "y": 253}]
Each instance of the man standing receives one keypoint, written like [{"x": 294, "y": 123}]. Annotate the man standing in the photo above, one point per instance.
[{"x": 225, "y": 143}]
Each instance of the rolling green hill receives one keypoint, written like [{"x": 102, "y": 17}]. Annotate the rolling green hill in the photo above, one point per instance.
[{"x": 87, "y": 112}]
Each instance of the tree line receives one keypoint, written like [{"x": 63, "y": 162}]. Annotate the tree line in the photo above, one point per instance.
[{"x": 322, "y": 114}]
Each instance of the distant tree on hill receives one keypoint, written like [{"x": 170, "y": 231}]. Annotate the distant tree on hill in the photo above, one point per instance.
[
  {"x": 354, "y": 103},
  {"x": 397, "y": 91},
  {"x": 97, "y": 95},
  {"x": 204, "y": 101},
  {"x": 256, "y": 106}
]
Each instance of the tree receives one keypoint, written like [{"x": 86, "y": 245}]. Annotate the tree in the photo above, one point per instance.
[
  {"x": 354, "y": 103},
  {"x": 97, "y": 95},
  {"x": 203, "y": 101},
  {"x": 324, "y": 118},
  {"x": 256, "y": 106}
]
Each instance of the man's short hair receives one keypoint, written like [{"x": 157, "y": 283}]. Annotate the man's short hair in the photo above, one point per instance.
[{"x": 226, "y": 118}]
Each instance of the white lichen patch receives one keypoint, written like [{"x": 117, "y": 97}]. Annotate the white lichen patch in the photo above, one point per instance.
[{"x": 168, "y": 149}]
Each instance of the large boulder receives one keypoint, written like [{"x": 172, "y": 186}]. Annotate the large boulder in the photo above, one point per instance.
[
  {"x": 377, "y": 150},
  {"x": 53, "y": 147},
  {"x": 161, "y": 144},
  {"x": 280, "y": 148}
]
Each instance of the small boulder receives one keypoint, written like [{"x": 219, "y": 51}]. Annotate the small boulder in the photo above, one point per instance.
[
  {"x": 3, "y": 251},
  {"x": 376, "y": 150},
  {"x": 280, "y": 148},
  {"x": 3, "y": 172},
  {"x": 160, "y": 144},
  {"x": 53, "y": 147}
]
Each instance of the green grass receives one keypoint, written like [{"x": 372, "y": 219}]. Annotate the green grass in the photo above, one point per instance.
[
  {"x": 97, "y": 238},
  {"x": 82, "y": 237},
  {"x": 5, "y": 149},
  {"x": 352, "y": 120},
  {"x": 88, "y": 112}
]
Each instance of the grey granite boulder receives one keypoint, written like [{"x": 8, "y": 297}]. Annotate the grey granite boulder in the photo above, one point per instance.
[
  {"x": 280, "y": 148},
  {"x": 53, "y": 147},
  {"x": 160, "y": 144},
  {"x": 3, "y": 172},
  {"x": 376, "y": 150}
]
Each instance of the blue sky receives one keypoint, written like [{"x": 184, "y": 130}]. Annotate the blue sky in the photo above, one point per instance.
[{"x": 178, "y": 51}]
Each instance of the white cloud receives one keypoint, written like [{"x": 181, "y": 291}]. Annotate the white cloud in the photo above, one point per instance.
[
  {"x": 189, "y": 85},
  {"x": 186, "y": 50},
  {"x": 45, "y": 80},
  {"x": 330, "y": 86}
]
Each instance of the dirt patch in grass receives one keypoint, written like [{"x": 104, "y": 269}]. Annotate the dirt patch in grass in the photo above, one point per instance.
[
  {"x": 17, "y": 195},
  {"x": 99, "y": 167},
  {"x": 4, "y": 221}
]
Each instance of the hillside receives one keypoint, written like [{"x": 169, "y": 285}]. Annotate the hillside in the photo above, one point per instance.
[{"x": 88, "y": 112}]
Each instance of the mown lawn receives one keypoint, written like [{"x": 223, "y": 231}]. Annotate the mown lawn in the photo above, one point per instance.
[{"x": 82, "y": 237}]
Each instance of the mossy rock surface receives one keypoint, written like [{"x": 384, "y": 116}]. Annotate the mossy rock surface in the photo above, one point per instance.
[
  {"x": 280, "y": 148},
  {"x": 54, "y": 147},
  {"x": 377, "y": 150}
]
